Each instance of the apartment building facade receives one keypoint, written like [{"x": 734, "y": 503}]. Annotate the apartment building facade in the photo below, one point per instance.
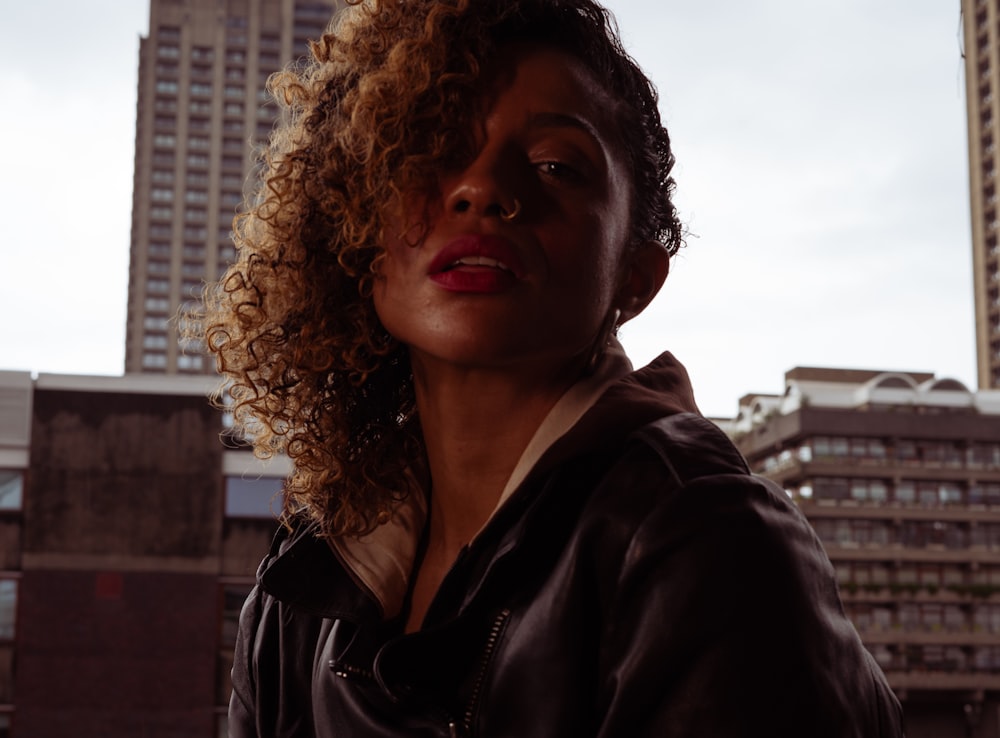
[
  {"x": 202, "y": 115},
  {"x": 899, "y": 474}
]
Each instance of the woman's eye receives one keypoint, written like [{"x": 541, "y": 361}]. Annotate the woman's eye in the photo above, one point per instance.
[{"x": 558, "y": 170}]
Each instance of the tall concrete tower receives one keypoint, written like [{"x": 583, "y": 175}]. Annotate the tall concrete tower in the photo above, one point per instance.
[
  {"x": 201, "y": 111},
  {"x": 981, "y": 21}
]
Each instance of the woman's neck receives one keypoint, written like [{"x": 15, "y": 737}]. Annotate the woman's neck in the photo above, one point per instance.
[{"x": 476, "y": 424}]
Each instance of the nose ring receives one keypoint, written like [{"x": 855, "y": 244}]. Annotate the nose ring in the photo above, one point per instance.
[{"x": 509, "y": 215}]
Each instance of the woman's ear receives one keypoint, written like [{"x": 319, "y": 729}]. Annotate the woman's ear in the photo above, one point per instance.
[{"x": 645, "y": 270}]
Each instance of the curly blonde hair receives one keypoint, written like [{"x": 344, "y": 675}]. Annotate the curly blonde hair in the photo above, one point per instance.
[{"x": 388, "y": 99}]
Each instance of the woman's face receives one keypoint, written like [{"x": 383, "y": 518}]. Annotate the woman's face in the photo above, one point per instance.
[{"x": 534, "y": 291}]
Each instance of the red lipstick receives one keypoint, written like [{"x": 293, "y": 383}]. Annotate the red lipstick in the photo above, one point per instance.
[{"x": 476, "y": 263}]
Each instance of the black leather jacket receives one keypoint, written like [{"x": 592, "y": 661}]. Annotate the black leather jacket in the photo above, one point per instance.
[{"x": 640, "y": 583}]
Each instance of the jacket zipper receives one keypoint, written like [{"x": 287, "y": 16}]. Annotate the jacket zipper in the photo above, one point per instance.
[
  {"x": 484, "y": 662},
  {"x": 348, "y": 671}
]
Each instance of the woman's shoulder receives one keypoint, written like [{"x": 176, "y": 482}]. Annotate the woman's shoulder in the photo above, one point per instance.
[{"x": 678, "y": 487}]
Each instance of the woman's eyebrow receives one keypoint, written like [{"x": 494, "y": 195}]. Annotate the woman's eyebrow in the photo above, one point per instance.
[{"x": 563, "y": 120}]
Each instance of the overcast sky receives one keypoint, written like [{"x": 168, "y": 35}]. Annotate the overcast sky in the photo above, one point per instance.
[{"x": 822, "y": 172}]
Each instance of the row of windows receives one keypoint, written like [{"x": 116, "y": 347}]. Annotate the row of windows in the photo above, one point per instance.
[
  {"x": 937, "y": 658},
  {"x": 956, "y": 453},
  {"x": 878, "y": 575},
  {"x": 198, "y": 143},
  {"x": 906, "y": 492},
  {"x": 193, "y": 216},
  {"x": 188, "y": 269},
  {"x": 185, "y": 362},
  {"x": 192, "y": 233},
  {"x": 172, "y": 51},
  {"x": 201, "y": 161},
  {"x": 907, "y": 533},
  {"x": 195, "y": 251},
  {"x": 195, "y": 196},
  {"x": 927, "y": 617},
  {"x": 905, "y": 452},
  {"x": 189, "y": 288}
]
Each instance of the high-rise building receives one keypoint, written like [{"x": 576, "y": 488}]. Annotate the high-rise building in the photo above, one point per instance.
[
  {"x": 202, "y": 109},
  {"x": 981, "y": 21},
  {"x": 899, "y": 474}
]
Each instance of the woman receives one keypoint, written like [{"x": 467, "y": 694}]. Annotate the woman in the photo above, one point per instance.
[{"x": 495, "y": 527}]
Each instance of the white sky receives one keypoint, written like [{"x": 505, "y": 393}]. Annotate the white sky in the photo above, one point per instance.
[{"x": 822, "y": 169}]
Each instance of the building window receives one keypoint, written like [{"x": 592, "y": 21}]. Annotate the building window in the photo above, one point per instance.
[
  {"x": 986, "y": 618},
  {"x": 168, "y": 51},
  {"x": 197, "y": 160},
  {"x": 983, "y": 456},
  {"x": 986, "y": 535},
  {"x": 872, "y": 491},
  {"x": 986, "y": 658},
  {"x": 166, "y": 86},
  {"x": 253, "y": 497},
  {"x": 202, "y": 53},
  {"x": 157, "y": 304},
  {"x": 831, "y": 488},
  {"x": 11, "y": 489},
  {"x": 154, "y": 361},
  {"x": 825, "y": 447},
  {"x": 201, "y": 89},
  {"x": 155, "y": 323},
  {"x": 200, "y": 107},
  {"x": 164, "y": 140},
  {"x": 8, "y": 607},
  {"x": 163, "y": 105},
  {"x": 984, "y": 494},
  {"x": 186, "y": 362}
]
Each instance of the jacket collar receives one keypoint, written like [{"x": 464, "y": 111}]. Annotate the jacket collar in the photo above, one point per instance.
[{"x": 607, "y": 404}]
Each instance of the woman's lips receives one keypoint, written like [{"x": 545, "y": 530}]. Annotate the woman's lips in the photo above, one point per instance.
[{"x": 476, "y": 263}]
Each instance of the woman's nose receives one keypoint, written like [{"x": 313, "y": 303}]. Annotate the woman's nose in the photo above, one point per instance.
[{"x": 483, "y": 189}]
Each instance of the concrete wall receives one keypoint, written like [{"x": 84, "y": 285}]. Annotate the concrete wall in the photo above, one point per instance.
[{"x": 119, "y": 605}]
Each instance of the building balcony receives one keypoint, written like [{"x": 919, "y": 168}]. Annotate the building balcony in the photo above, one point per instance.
[{"x": 922, "y": 679}]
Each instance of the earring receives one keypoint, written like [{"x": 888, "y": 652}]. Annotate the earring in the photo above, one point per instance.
[{"x": 509, "y": 215}]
